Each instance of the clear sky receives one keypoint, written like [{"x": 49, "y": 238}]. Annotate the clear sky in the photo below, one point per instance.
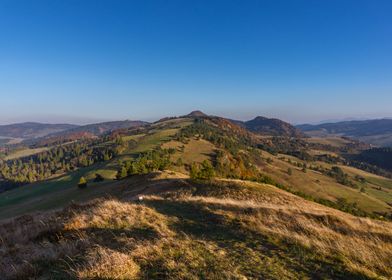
[{"x": 302, "y": 61}]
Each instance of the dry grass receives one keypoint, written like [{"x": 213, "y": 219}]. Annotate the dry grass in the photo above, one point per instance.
[
  {"x": 228, "y": 230},
  {"x": 365, "y": 245},
  {"x": 104, "y": 263},
  {"x": 25, "y": 152},
  {"x": 196, "y": 150}
]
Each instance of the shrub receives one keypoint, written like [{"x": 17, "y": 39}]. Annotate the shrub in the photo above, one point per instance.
[
  {"x": 82, "y": 183},
  {"x": 203, "y": 171},
  {"x": 98, "y": 178}
]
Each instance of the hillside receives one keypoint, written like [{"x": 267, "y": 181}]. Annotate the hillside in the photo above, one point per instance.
[
  {"x": 97, "y": 129},
  {"x": 273, "y": 127},
  {"x": 30, "y": 130},
  {"x": 193, "y": 198},
  {"x": 377, "y": 156},
  {"x": 232, "y": 151},
  {"x": 376, "y": 132},
  {"x": 226, "y": 229}
]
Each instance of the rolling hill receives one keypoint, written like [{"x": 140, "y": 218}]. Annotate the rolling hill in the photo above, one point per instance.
[
  {"x": 98, "y": 129},
  {"x": 273, "y": 127},
  {"x": 195, "y": 197},
  {"x": 232, "y": 150},
  {"x": 32, "y": 132},
  {"x": 375, "y": 132},
  {"x": 90, "y": 131}
]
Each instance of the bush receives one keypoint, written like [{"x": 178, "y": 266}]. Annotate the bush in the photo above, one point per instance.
[
  {"x": 98, "y": 178},
  {"x": 82, "y": 183},
  {"x": 203, "y": 171}
]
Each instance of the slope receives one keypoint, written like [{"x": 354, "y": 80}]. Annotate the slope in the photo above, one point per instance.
[
  {"x": 231, "y": 152},
  {"x": 224, "y": 229},
  {"x": 274, "y": 127}
]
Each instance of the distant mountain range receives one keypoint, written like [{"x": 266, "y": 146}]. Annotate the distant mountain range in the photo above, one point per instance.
[
  {"x": 100, "y": 128},
  {"x": 375, "y": 132},
  {"x": 30, "y": 130}
]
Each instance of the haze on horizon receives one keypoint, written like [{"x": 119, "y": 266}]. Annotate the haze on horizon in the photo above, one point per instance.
[{"x": 89, "y": 61}]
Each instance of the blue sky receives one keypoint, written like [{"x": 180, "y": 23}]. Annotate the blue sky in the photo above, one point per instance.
[{"x": 302, "y": 61}]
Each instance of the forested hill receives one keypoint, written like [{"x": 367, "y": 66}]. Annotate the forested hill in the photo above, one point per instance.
[
  {"x": 261, "y": 125},
  {"x": 98, "y": 129},
  {"x": 378, "y": 156},
  {"x": 273, "y": 127}
]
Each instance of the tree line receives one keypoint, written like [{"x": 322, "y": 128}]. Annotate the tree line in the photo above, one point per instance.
[{"x": 58, "y": 160}]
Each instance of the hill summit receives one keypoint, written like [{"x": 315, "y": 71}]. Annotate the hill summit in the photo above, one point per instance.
[
  {"x": 273, "y": 127},
  {"x": 197, "y": 113}
]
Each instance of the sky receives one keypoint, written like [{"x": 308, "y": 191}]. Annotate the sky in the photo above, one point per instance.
[{"x": 88, "y": 61}]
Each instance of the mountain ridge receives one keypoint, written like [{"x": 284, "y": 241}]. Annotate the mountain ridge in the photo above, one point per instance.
[
  {"x": 33, "y": 129},
  {"x": 377, "y": 132}
]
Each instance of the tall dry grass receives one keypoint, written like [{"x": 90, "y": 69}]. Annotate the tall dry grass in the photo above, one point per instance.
[
  {"x": 200, "y": 234},
  {"x": 364, "y": 244}
]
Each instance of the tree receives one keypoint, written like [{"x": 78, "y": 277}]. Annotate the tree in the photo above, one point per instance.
[
  {"x": 82, "y": 183},
  {"x": 203, "y": 171},
  {"x": 122, "y": 173},
  {"x": 194, "y": 172},
  {"x": 290, "y": 171},
  {"x": 207, "y": 170},
  {"x": 179, "y": 162},
  {"x": 98, "y": 178}
]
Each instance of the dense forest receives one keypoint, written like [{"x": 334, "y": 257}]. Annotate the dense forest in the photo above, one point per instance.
[
  {"x": 58, "y": 160},
  {"x": 381, "y": 157}
]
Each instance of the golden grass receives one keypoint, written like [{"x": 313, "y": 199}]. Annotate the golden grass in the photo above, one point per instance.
[
  {"x": 196, "y": 150},
  {"x": 25, "y": 153},
  {"x": 228, "y": 230},
  {"x": 337, "y": 142},
  {"x": 104, "y": 263},
  {"x": 319, "y": 185}
]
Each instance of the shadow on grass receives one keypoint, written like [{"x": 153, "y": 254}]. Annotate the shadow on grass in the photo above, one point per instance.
[
  {"x": 200, "y": 222},
  {"x": 113, "y": 239}
]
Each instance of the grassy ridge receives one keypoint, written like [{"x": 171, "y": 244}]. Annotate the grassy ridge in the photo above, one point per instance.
[{"x": 229, "y": 229}]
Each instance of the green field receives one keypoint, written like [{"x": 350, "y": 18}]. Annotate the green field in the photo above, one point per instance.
[
  {"x": 51, "y": 194},
  {"x": 379, "y": 181}
]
